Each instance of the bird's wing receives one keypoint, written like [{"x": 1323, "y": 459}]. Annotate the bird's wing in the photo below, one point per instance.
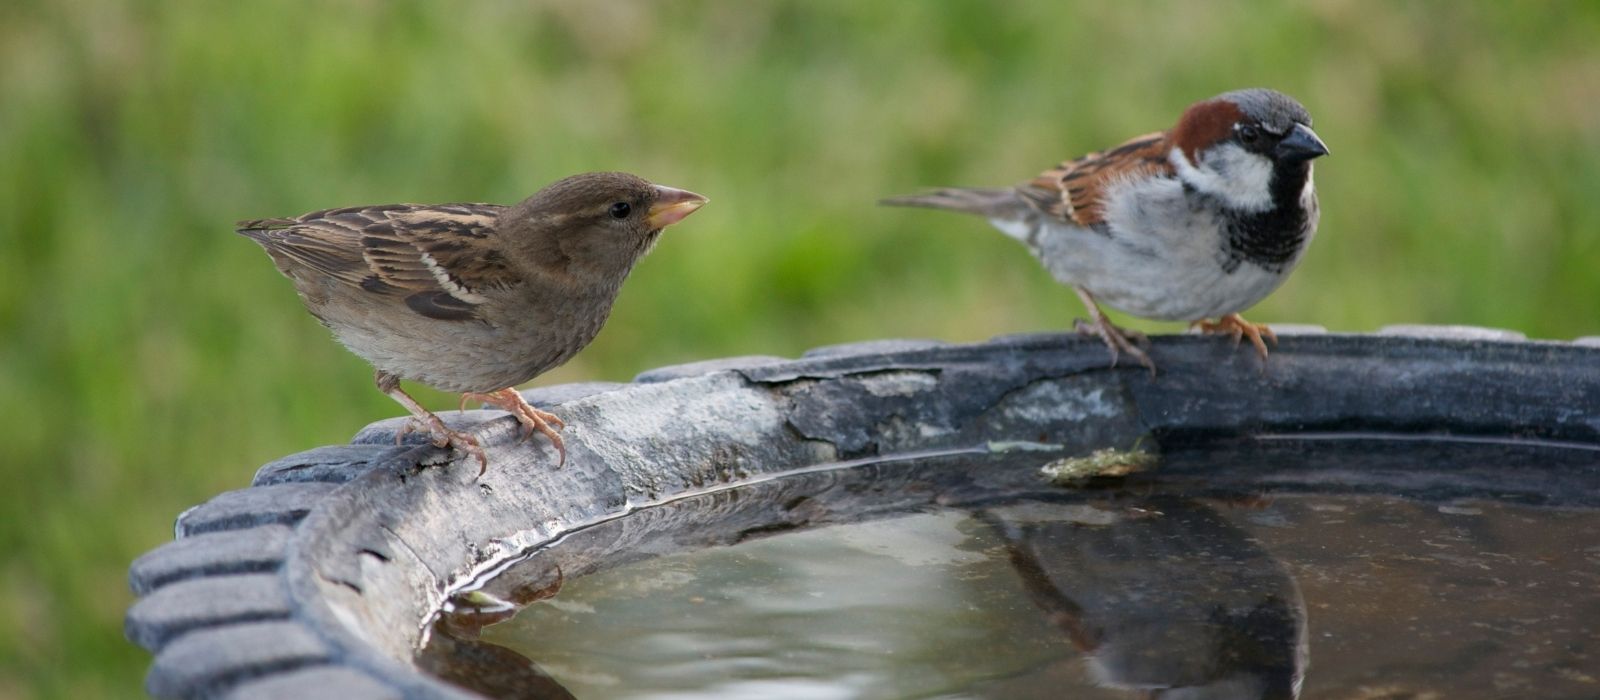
[
  {"x": 438, "y": 259},
  {"x": 1076, "y": 191}
]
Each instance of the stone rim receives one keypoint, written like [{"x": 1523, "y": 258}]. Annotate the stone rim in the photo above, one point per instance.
[{"x": 324, "y": 523}]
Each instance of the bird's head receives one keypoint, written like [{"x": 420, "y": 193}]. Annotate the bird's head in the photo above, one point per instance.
[
  {"x": 1251, "y": 149},
  {"x": 596, "y": 224}
]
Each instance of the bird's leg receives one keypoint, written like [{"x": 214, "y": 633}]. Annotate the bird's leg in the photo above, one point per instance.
[
  {"x": 1235, "y": 326},
  {"x": 1118, "y": 340},
  {"x": 442, "y": 435},
  {"x": 511, "y": 401}
]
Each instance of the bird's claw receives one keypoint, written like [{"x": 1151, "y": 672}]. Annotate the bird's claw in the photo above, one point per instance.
[
  {"x": 1118, "y": 340},
  {"x": 441, "y": 436},
  {"x": 1236, "y": 327},
  {"x": 532, "y": 419}
]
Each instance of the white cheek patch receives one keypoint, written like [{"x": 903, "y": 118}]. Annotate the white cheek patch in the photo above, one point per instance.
[
  {"x": 449, "y": 283},
  {"x": 1238, "y": 177}
]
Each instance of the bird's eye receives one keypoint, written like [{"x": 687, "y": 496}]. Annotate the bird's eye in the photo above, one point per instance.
[
  {"x": 1249, "y": 134},
  {"x": 620, "y": 210}
]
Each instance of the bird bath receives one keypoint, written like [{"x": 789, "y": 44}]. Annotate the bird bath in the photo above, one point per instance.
[{"x": 1371, "y": 511}]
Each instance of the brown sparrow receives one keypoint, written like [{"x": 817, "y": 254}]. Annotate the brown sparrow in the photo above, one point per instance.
[
  {"x": 1200, "y": 221},
  {"x": 473, "y": 298}
]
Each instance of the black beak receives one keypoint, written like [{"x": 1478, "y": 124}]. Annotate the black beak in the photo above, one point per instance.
[{"x": 1300, "y": 145}]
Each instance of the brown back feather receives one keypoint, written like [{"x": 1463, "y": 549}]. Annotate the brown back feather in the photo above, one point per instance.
[
  {"x": 386, "y": 250},
  {"x": 1076, "y": 191}
]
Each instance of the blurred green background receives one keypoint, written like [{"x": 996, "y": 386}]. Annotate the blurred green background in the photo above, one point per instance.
[{"x": 150, "y": 358}]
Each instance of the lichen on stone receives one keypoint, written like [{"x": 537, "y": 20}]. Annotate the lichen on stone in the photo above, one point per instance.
[{"x": 1104, "y": 462}]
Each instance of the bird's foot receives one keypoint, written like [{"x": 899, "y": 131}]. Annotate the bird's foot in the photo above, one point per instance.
[
  {"x": 423, "y": 419},
  {"x": 442, "y": 436},
  {"x": 511, "y": 401},
  {"x": 1118, "y": 340},
  {"x": 1234, "y": 325}
]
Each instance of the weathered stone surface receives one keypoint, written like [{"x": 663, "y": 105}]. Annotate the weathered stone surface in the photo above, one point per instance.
[
  {"x": 695, "y": 369},
  {"x": 873, "y": 347},
  {"x": 280, "y": 504},
  {"x": 993, "y": 368},
  {"x": 557, "y": 394},
  {"x": 1456, "y": 332},
  {"x": 248, "y": 551},
  {"x": 206, "y": 662},
  {"x": 1297, "y": 329},
  {"x": 317, "y": 683},
  {"x": 1404, "y": 384},
  {"x": 332, "y": 464},
  {"x": 205, "y": 602},
  {"x": 380, "y": 540},
  {"x": 1036, "y": 339}
]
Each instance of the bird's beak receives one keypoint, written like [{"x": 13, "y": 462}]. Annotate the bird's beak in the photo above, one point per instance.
[
  {"x": 1301, "y": 144},
  {"x": 671, "y": 206}
]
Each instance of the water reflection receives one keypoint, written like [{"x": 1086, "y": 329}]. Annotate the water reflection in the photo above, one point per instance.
[
  {"x": 491, "y": 669},
  {"x": 1161, "y": 595},
  {"x": 969, "y": 578}
]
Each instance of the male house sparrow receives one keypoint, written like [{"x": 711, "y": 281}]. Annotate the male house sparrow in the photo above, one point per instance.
[
  {"x": 1199, "y": 221},
  {"x": 473, "y": 298}
]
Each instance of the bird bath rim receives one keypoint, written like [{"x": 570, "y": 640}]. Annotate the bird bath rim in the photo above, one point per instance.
[{"x": 317, "y": 579}]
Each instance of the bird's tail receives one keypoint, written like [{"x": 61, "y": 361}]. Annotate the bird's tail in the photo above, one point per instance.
[
  {"x": 256, "y": 226},
  {"x": 993, "y": 204}
]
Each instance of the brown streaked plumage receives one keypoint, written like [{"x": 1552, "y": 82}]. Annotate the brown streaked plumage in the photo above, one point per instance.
[
  {"x": 1076, "y": 190},
  {"x": 473, "y": 298},
  {"x": 1200, "y": 221},
  {"x": 385, "y": 251}
]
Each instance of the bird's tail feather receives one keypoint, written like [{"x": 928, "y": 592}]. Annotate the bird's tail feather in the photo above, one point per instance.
[
  {"x": 1001, "y": 204},
  {"x": 252, "y": 227}
]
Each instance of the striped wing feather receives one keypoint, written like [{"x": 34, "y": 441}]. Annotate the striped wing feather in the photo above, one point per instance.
[
  {"x": 437, "y": 259},
  {"x": 1076, "y": 191}
]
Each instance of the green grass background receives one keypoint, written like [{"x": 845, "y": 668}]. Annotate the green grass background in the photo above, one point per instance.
[{"x": 149, "y": 358}]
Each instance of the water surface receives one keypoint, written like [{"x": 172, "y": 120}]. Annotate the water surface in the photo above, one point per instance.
[{"x": 965, "y": 578}]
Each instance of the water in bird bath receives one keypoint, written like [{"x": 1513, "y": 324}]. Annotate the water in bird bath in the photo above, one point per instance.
[{"x": 1346, "y": 566}]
